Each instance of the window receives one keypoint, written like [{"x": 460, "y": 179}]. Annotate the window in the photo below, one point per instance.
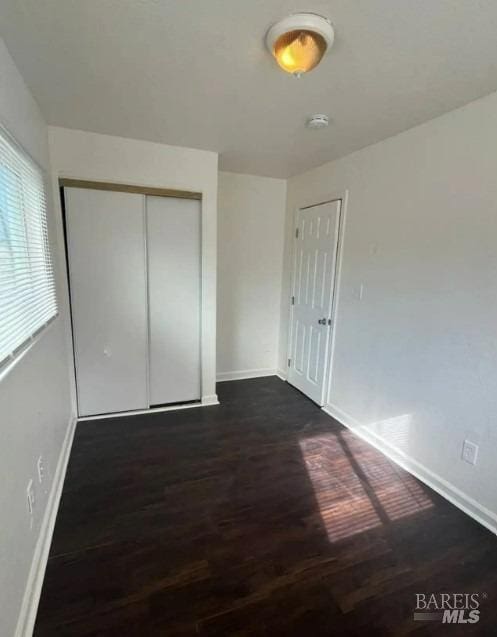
[{"x": 27, "y": 287}]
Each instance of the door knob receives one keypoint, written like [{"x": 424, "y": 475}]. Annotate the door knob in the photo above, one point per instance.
[{"x": 322, "y": 321}]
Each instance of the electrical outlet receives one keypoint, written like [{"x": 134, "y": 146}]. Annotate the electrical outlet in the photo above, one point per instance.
[
  {"x": 469, "y": 452},
  {"x": 30, "y": 494},
  {"x": 41, "y": 469}
]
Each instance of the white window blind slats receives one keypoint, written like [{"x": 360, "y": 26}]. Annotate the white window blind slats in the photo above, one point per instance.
[
  {"x": 11, "y": 317},
  {"x": 41, "y": 317},
  {"x": 27, "y": 287},
  {"x": 17, "y": 321}
]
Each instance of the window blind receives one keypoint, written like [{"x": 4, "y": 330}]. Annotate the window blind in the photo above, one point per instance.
[{"x": 27, "y": 287}]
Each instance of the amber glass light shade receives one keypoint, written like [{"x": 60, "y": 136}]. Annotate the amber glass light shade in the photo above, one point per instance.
[{"x": 299, "y": 51}]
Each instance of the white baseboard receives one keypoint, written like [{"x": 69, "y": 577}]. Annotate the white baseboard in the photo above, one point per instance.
[
  {"x": 281, "y": 373},
  {"x": 244, "y": 374},
  {"x": 447, "y": 490},
  {"x": 32, "y": 592},
  {"x": 205, "y": 402}
]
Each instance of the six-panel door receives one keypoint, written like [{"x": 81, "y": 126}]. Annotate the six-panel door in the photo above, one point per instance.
[{"x": 313, "y": 276}]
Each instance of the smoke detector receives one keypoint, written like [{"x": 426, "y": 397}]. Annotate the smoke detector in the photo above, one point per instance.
[{"x": 318, "y": 121}]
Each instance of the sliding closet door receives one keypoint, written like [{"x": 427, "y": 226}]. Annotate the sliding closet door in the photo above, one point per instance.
[
  {"x": 106, "y": 250},
  {"x": 173, "y": 240}
]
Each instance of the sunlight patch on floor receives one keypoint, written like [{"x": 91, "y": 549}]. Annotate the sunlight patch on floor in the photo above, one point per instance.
[{"x": 356, "y": 487}]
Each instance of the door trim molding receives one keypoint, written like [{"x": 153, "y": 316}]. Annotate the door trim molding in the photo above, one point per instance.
[
  {"x": 336, "y": 295},
  {"x": 65, "y": 182},
  {"x": 342, "y": 196}
]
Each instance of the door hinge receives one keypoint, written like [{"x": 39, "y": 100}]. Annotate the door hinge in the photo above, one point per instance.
[
  {"x": 289, "y": 361},
  {"x": 297, "y": 233},
  {"x": 293, "y": 300}
]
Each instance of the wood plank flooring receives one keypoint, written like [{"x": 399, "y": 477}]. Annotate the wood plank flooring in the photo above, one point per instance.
[{"x": 261, "y": 516}]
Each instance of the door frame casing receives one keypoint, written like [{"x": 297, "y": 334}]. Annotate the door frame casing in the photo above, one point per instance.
[{"x": 311, "y": 202}]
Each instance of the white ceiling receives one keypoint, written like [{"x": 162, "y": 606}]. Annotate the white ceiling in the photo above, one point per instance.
[{"x": 196, "y": 73}]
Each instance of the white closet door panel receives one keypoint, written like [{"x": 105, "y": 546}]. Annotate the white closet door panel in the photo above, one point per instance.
[
  {"x": 173, "y": 244},
  {"x": 107, "y": 263}
]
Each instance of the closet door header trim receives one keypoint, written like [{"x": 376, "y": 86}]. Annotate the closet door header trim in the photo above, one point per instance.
[{"x": 142, "y": 190}]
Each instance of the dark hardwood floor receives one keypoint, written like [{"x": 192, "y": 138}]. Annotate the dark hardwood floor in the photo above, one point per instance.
[{"x": 261, "y": 516}]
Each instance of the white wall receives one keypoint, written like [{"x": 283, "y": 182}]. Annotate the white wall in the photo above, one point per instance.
[
  {"x": 91, "y": 156},
  {"x": 251, "y": 213},
  {"x": 35, "y": 402},
  {"x": 415, "y": 363}
]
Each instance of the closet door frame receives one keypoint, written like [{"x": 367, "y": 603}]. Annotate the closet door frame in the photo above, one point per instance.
[{"x": 145, "y": 191}]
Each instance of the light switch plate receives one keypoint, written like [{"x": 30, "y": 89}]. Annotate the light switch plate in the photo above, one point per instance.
[
  {"x": 469, "y": 452},
  {"x": 30, "y": 495}
]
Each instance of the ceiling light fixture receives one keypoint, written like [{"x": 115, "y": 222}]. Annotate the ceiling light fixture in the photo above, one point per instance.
[{"x": 300, "y": 41}]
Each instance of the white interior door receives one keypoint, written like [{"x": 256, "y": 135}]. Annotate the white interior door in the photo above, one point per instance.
[
  {"x": 316, "y": 243},
  {"x": 106, "y": 253},
  {"x": 173, "y": 246}
]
